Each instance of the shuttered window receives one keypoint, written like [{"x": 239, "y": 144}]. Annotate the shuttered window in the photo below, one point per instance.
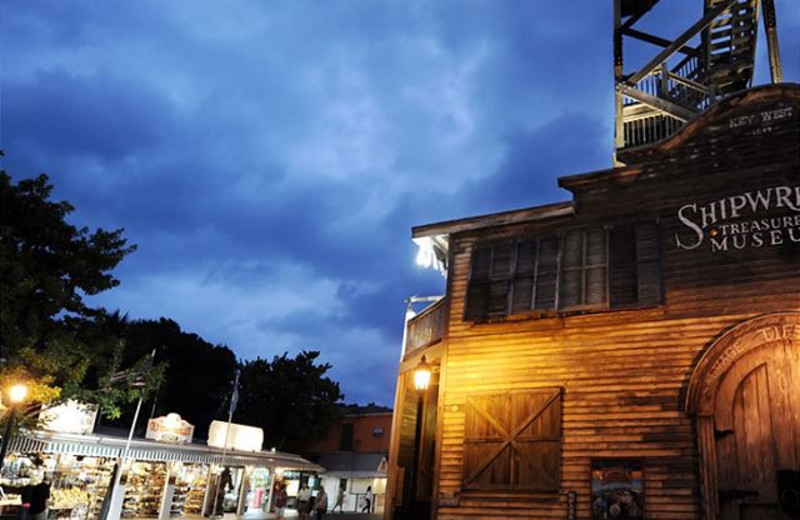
[
  {"x": 589, "y": 269},
  {"x": 583, "y": 269},
  {"x": 512, "y": 441},
  {"x": 513, "y": 278},
  {"x": 635, "y": 273}
]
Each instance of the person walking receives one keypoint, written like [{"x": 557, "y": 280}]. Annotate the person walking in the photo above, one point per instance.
[
  {"x": 339, "y": 500},
  {"x": 321, "y": 503},
  {"x": 303, "y": 498},
  {"x": 280, "y": 499},
  {"x": 367, "y": 501},
  {"x": 40, "y": 497}
]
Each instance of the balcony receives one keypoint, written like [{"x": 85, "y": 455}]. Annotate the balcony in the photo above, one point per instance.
[{"x": 426, "y": 328}]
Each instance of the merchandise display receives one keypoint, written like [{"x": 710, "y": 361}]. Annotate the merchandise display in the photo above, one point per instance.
[
  {"x": 144, "y": 489},
  {"x": 259, "y": 488},
  {"x": 157, "y": 479},
  {"x": 190, "y": 489},
  {"x": 78, "y": 484}
]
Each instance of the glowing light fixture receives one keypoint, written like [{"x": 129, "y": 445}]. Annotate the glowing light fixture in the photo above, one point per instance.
[
  {"x": 17, "y": 393},
  {"x": 427, "y": 257},
  {"x": 422, "y": 376}
]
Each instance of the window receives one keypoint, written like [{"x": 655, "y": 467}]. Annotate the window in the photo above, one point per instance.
[
  {"x": 512, "y": 440},
  {"x": 346, "y": 437},
  {"x": 583, "y": 269},
  {"x": 589, "y": 269},
  {"x": 635, "y": 274},
  {"x": 522, "y": 276}
]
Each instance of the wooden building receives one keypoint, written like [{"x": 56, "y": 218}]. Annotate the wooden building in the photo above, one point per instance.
[{"x": 631, "y": 353}]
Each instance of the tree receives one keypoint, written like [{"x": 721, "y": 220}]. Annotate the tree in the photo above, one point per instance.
[
  {"x": 50, "y": 337},
  {"x": 290, "y": 398},
  {"x": 198, "y": 375}
]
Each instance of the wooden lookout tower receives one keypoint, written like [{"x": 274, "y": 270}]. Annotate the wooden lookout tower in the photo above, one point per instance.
[{"x": 713, "y": 57}]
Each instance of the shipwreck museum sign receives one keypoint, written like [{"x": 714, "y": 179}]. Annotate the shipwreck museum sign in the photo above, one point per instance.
[{"x": 753, "y": 219}]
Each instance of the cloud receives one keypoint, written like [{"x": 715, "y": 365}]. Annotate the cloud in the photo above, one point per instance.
[{"x": 269, "y": 159}]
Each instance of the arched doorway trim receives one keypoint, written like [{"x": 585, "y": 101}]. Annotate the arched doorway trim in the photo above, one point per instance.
[
  {"x": 723, "y": 353},
  {"x": 704, "y": 386}
]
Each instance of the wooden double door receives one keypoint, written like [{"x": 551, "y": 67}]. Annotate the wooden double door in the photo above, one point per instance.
[{"x": 756, "y": 430}]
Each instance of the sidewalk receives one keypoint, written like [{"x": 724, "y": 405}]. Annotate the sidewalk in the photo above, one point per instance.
[{"x": 292, "y": 514}]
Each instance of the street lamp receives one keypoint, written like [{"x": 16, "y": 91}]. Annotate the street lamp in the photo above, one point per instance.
[
  {"x": 16, "y": 395},
  {"x": 422, "y": 380}
]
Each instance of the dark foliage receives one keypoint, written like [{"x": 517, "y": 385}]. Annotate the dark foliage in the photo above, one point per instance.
[
  {"x": 198, "y": 375},
  {"x": 50, "y": 338},
  {"x": 290, "y": 398}
]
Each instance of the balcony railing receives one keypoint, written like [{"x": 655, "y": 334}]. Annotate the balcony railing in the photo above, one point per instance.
[{"x": 426, "y": 328}]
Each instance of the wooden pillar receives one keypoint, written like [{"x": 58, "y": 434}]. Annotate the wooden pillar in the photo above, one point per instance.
[
  {"x": 209, "y": 499},
  {"x": 168, "y": 492},
  {"x": 771, "y": 28},
  {"x": 708, "y": 466},
  {"x": 394, "y": 475},
  {"x": 244, "y": 488},
  {"x": 619, "y": 126},
  {"x": 268, "y": 507}
]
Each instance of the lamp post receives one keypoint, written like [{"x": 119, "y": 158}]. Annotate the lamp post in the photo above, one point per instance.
[
  {"x": 16, "y": 395},
  {"x": 422, "y": 380}
]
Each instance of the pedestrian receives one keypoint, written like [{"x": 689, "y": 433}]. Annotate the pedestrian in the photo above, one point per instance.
[
  {"x": 280, "y": 499},
  {"x": 25, "y": 498},
  {"x": 225, "y": 483},
  {"x": 303, "y": 498},
  {"x": 40, "y": 498},
  {"x": 321, "y": 504},
  {"x": 339, "y": 500},
  {"x": 367, "y": 501}
]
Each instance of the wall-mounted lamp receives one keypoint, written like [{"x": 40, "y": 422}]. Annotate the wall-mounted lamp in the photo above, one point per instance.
[{"x": 422, "y": 376}]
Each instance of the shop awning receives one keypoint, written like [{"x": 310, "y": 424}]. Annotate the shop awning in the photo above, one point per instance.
[{"x": 107, "y": 446}]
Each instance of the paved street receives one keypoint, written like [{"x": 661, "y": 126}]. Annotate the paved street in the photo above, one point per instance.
[{"x": 291, "y": 514}]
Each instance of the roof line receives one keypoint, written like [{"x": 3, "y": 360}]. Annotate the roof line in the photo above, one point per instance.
[
  {"x": 730, "y": 102},
  {"x": 544, "y": 212}
]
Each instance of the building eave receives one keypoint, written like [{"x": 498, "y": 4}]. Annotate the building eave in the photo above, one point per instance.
[{"x": 520, "y": 216}]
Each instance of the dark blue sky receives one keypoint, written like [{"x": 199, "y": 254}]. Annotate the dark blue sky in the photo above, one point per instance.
[{"x": 270, "y": 158}]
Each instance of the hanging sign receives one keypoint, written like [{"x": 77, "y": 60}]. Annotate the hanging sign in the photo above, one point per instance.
[
  {"x": 239, "y": 436},
  {"x": 170, "y": 428},
  {"x": 69, "y": 417}
]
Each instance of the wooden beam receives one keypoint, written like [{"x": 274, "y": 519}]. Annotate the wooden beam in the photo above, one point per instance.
[
  {"x": 619, "y": 124},
  {"x": 658, "y": 40},
  {"x": 633, "y": 19},
  {"x": 668, "y": 107},
  {"x": 677, "y": 78},
  {"x": 537, "y": 213},
  {"x": 680, "y": 41},
  {"x": 771, "y": 28}
]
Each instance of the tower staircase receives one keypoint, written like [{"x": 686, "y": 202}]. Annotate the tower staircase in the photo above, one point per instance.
[{"x": 714, "y": 57}]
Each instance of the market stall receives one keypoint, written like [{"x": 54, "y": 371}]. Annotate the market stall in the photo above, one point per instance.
[
  {"x": 78, "y": 483},
  {"x": 159, "y": 480}
]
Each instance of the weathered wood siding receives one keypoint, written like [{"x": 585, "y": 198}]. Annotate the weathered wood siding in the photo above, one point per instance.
[{"x": 624, "y": 374}]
